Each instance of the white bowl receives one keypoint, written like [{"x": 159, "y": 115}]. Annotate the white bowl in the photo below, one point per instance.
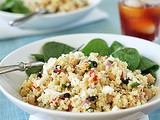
[
  {"x": 11, "y": 82},
  {"x": 52, "y": 20}
]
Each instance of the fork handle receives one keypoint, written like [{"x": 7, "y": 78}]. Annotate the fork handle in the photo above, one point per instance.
[
  {"x": 21, "y": 20},
  {"x": 21, "y": 67},
  {"x": 6, "y": 69}
]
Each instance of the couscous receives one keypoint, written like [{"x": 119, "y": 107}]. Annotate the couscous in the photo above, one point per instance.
[
  {"x": 77, "y": 83},
  {"x": 55, "y": 5}
]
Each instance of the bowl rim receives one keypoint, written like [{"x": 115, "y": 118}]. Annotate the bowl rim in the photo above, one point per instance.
[
  {"x": 60, "y": 14},
  {"x": 73, "y": 114}
]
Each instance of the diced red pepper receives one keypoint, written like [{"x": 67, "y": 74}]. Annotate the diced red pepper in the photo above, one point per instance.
[
  {"x": 122, "y": 76},
  {"x": 55, "y": 100},
  {"x": 136, "y": 97},
  {"x": 92, "y": 74},
  {"x": 57, "y": 71},
  {"x": 69, "y": 107},
  {"x": 38, "y": 88}
]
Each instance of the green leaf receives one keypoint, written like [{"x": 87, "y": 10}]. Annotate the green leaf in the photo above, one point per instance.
[
  {"x": 129, "y": 55},
  {"x": 64, "y": 86},
  {"x": 98, "y": 46},
  {"x": 15, "y": 6},
  {"x": 135, "y": 84},
  {"x": 38, "y": 57},
  {"x": 115, "y": 47},
  {"x": 35, "y": 70},
  {"x": 55, "y": 49},
  {"x": 148, "y": 66}
]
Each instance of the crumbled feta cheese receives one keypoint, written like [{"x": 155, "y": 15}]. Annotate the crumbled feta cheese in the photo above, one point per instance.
[
  {"x": 135, "y": 92},
  {"x": 50, "y": 91},
  {"x": 115, "y": 108},
  {"x": 83, "y": 94},
  {"x": 108, "y": 89},
  {"x": 74, "y": 79},
  {"x": 78, "y": 54},
  {"x": 111, "y": 58},
  {"x": 118, "y": 96},
  {"x": 93, "y": 56},
  {"x": 41, "y": 81},
  {"x": 47, "y": 66},
  {"x": 130, "y": 75}
]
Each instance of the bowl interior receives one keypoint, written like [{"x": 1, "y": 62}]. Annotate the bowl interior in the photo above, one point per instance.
[
  {"x": 11, "y": 82},
  {"x": 92, "y": 3}
]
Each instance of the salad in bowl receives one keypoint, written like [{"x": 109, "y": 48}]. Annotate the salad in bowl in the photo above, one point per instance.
[{"x": 111, "y": 77}]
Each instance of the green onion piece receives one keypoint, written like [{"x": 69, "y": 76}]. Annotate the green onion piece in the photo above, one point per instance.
[
  {"x": 56, "y": 107},
  {"x": 63, "y": 85},
  {"x": 110, "y": 61},
  {"x": 90, "y": 108},
  {"x": 134, "y": 84},
  {"x": 91, "y": 66}
]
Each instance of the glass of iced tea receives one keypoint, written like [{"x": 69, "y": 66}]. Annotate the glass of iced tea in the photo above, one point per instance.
[{"x": 140, "y": 18}]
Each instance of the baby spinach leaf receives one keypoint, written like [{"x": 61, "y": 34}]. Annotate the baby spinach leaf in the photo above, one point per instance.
[
  {"x": 50, "y": 49},
  {"x": 33, "y": 70},
  {"x": 38, "y": 57},
  {"x": 55, "y": 49},
  {"x": 153, "y": 73},
  {"x": 129, "y": 55},
  {"x": 98, "y": 46},
  {"x": 147, "y": 66},
  {"x": 15, "y": 6},
  {"x": 115, "y": 46}
]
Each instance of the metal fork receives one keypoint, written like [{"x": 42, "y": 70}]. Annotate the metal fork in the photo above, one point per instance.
[
  {"x": 25, "y": 18},
  {"x": 21, "y": 66}
]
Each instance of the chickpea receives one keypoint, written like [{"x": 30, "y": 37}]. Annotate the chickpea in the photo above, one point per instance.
[
  {"x": 111, "y": 76},
  {"x": 31, "y": 99},
  {"x": 73, "y": 61},
  {"x": 64, "y": 79},
  {"x": 150, "y": 78},
  {"x": 148, "y": 93},
  {"x": 83, "y": 67},
  {"x": 110, "y": 98}
]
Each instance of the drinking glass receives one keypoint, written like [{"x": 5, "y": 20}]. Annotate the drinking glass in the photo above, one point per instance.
[{"x": 140, "y": 18}]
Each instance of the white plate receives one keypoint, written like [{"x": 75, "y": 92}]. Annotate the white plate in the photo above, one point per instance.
[
  {"x": 10, "y": 83},
  {"x": 52, "y": 20}
]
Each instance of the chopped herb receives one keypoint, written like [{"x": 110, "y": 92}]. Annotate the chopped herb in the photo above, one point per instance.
[
  {"x": 135, "y": 84},
  {"x": 56, "y": 107},
  {"x": 91, "y": 108},
  {"x": 110, "y": 61},
  {"x": 64, "y": 86}
]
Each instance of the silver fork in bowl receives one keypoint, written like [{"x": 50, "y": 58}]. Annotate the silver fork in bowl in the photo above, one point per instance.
[
  {"x": 25, "y": 18},
  {"x": 21, "y": 66}
]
